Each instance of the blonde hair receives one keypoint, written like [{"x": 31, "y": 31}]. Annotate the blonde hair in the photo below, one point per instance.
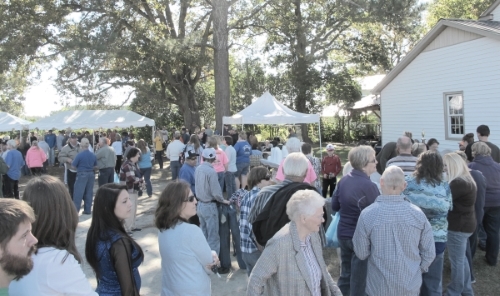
[{"x": 457, "y": 168}]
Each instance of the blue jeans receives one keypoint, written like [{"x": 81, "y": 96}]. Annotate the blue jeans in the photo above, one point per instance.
[
  {"x": 352, "y": 279},
  {"x": 84, "y": 187},
  {"x": 159, "y": 157},
  {"x": 230, "y": 224},
  {"x": 146, "y": 173},
  {"x": 471, "y": 251},
  {"x": 432, "y": 280},
  {"x": 52, "y": 156},
  {"x": 491, "y": 224},
  {"x": 106, "y": 175},
  {"x": 209, "y": 224},
  {"x": 230, "y": 184},
  {"x": 220, "y": 177},
  {"x": 250, "y": 260},
  {"x": 460, "y": 273},
  {"x": 175, "y": 167}
]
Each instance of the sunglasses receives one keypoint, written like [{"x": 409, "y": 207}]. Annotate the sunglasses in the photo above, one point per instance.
[
  {"x": 190, "y": 198},
  {"x": 267, "y": 178}
]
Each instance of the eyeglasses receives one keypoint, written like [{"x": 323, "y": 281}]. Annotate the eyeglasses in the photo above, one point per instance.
[
  {"x": 190, "y": 198},
  {"x": 373, "y": 161},
  {"x": 267, "y": 178}
]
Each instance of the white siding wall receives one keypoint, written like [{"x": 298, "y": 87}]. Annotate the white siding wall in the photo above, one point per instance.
[
  {"x": 496, "y": 13},
  {"x": 413, "y": 101}
]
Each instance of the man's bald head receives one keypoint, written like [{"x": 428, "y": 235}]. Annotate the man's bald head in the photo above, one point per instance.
[{"x": 404, "y": 145}]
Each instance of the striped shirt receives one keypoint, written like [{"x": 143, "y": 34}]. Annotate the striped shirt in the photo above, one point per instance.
[
  {"x": 312, "y": 265},
  {"x": 263, "y": 197},
  {"x": 397, "y": 239},
  {"x": 246, "y": 242},
  {"x": 406, "y": 162},
  {"x": 206, "y": 184}
]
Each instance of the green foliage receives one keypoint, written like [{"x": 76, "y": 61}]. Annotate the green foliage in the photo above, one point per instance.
[{"x": 459, "y": 9}]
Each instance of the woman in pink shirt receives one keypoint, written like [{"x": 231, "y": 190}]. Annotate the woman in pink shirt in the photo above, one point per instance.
[
  {"x": 35, "y": 157},
  {"x": 221, "y": 162}
]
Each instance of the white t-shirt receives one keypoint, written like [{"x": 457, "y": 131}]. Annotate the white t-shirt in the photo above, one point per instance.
[
  {"x": 231, "y": 156},
  {"x": 51, "y": 277},
  {"x": 117, "y": 146}
]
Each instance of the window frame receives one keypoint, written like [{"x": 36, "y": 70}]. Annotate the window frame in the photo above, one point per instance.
[{"x": 447, "y": 121}]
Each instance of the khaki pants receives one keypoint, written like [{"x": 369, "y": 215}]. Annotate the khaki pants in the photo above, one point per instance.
[{"x": 130, "y": 221}]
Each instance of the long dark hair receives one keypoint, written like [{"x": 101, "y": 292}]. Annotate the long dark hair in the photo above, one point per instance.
[
  {"x": 170, "y": 203},
  {"x": 104, "y": 223},
  {"x": 56, "y": 216},
  {"x": 429, "y": 167}
]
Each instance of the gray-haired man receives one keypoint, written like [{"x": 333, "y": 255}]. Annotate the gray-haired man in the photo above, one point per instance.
[
  {"x": 208, "y": 193},
  {"x": 399, "y": 247}
]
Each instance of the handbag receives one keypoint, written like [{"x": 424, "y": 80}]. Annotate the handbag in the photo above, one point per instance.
[
  {"x": 332, "y": 240},
  {"x": 116, "y": 179}
]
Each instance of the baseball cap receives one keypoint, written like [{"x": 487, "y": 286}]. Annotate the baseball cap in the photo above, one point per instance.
[
  {"x": 208, "y": 153},
  {"x": 330, "y": 147},
  {"x": 190, "y": 154},
  {"x": 73, "y": 135}
]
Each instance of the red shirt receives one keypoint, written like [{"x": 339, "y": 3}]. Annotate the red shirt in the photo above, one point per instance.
[{"x": 331, "y": 164}]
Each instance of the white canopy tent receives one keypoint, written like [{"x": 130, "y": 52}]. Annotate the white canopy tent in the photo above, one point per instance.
[
  {"x": 9, "y": 122},
  {"x": 93, "y": 119},
  {"x": 268, "y": 110}
]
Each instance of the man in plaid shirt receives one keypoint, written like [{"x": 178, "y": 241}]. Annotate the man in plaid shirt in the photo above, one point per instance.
[{"x": 396, "y": 238}]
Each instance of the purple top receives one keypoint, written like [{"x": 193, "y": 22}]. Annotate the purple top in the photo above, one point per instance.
[{"x": 354, "y": 192}]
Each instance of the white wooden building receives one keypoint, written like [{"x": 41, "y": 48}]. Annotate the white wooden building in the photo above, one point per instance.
[{"x": 448, "y": 84}]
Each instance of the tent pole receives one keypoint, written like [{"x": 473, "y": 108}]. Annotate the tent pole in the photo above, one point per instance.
[
  {"x": 153, "y": 135},
  {"x": 319, "y": 132}
]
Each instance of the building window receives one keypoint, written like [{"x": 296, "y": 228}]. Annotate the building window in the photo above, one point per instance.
[{"x": 454, "y": 106}]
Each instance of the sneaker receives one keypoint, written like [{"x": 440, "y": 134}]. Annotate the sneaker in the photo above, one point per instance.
[
  {"x": 136, "y": 229},
  {"x": 223, "y": 270},
  {"x": 473, "y": 281}
]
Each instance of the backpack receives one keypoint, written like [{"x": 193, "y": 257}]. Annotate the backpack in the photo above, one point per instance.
[
  {"x": 182, "y": 155},
  {"x": 273, "y": 216}
]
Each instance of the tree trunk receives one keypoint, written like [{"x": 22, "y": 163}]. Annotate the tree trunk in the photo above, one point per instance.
[
  {"x": 221, "y": 61},
  {"x": 189, "y": 108},
  {"x": 300, "y": 69}
]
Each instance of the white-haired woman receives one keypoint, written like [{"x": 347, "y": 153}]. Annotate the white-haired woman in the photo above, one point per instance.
[
  {"x": 461, "y": 223},
  {"x": 294, "y": 145},
  {"x": 292, "y": 262}
]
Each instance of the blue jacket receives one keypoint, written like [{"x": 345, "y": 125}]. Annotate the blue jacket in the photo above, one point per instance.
[
  {"x": 187, "y": 174},
  {"x": 491, "y": 171},
  {"x": 85, "y": 161},
  {"x": 355, "y": 192},
  {"x": 51, "y": 140},
  {"x": 14, "y": 160}
]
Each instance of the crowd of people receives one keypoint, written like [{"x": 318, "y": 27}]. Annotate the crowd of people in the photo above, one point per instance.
[{"x": 393, "y": 229}]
